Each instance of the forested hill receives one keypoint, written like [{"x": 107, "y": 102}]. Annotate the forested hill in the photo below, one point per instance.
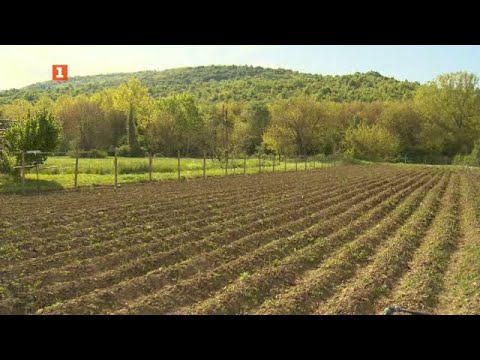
[{"x": 240, "y": 83}]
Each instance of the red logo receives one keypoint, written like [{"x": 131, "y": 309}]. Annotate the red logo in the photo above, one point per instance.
[{"x": 59, "y": 72}]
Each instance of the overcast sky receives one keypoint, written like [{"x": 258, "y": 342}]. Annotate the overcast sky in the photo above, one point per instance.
[{"x": 24, "y": 65}]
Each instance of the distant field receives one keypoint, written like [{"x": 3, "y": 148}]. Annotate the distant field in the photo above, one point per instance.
[
  {"x": 343, "y": 240},
  {"x": 100, "y": 172}
]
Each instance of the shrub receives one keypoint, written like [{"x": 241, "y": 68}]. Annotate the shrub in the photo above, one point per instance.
[
  {"x": 7, "y": 163},
  {"x": 38, "y": 132},
  {"x": 95, "y": 154},
  {"x": 472, "y": 159},
  {"x": 128, "y": 151},
  {"x": 124, "y": 150},
  {"x": 373, "y": 143}
]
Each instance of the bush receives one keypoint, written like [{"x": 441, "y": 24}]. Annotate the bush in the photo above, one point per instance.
[
  {"x": 472, "y": 159},
  {"x": 127, "y": 151},
  {"x": 95, "y": 154},
  {"x": 427, "y": 158},
  {"x": 474, "y": 156},
  {"x": 7, "y": 163},
  {"x": 373, "y": 143},
  {"x": 459, "y": 159},
  {"x": 346, "y": 158},
  {"x": 38, "y": 132},
  {"x": 138, "y": 152},
  {"x": 124, "y": 150}
]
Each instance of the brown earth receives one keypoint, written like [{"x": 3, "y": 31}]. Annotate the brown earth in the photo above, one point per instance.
[{"x": 342, "y": 240}]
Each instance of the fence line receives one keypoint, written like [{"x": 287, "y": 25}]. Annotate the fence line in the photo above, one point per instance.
[{"x": 148, "y": 167}]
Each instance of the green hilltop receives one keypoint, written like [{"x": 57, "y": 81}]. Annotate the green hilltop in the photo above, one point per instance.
[{"x": 236, "y": 83}]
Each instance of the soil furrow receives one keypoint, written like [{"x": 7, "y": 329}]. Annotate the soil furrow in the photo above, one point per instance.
[
  {"x": 245, "y": 294},
  {"x": 461, "y": 294},
  {"x": 171, "y": 274},
  {"x": 420, "y": 286},
  {"x": 359, "y": 295}
]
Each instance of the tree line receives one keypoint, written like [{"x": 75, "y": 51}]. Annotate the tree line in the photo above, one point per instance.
[{"x": 439, "y": 123}]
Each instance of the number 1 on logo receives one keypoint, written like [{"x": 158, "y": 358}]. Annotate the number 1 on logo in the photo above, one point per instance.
[{"x": 59, "y": 72}]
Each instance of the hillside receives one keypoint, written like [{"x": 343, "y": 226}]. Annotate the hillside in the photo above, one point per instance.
[{"x": 241, "y": 83}]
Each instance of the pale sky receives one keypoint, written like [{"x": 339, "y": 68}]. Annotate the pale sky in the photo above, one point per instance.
[{"x": 27, "y": 64}]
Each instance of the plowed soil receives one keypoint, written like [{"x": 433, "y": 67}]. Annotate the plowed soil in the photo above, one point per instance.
[{"x": 342, "y": 240}]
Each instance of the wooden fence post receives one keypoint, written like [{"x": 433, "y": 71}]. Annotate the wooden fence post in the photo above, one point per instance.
[
  {"x": 259, "y": 163},
  {"x": 204, "y": 164},
  {"x": 226, "y": 163},
  {"x": 76, "y": 170},
  {"x": 305, "y": 163},
  {"x": 244, "y": 164},
  {"x": 116, "y": 169},
  {"x": 23, "y": 172},
  {"x": 150, "y": 166},
  {"x": 178, "y": 163},
  {"x": 36, "y": 170},
  {"x": 273, "y": 165},
  {"x": 285, "y": 160},
  {"x": 314, "y": 162},
  {"x": 296, "y": 163}
]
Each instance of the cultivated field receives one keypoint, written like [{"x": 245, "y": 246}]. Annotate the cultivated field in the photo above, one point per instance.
[{"x": 341, "y": 240}]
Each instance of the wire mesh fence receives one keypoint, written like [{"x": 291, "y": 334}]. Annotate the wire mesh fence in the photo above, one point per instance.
[{"x": 73, "y": 170}]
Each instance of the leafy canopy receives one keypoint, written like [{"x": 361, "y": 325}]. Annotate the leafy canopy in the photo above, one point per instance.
[{"x": 37, "y": 132}]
